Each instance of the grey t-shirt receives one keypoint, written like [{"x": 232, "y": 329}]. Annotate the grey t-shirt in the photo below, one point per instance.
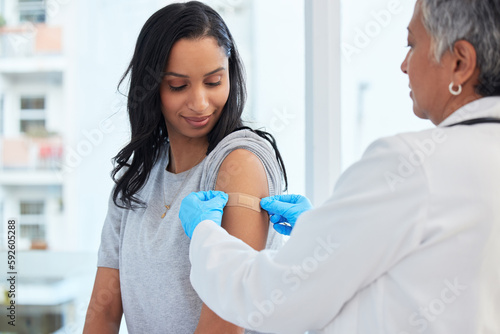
[{"x": 152, "y": 253}]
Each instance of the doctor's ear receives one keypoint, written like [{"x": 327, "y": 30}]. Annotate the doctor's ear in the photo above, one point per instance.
[{"x": 464, "y": 63}]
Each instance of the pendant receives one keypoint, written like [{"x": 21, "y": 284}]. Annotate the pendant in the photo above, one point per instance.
[{"x": 167, "y": 207}]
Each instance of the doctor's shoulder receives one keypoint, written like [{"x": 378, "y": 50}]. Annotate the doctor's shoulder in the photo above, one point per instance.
[
  {"x": 425, "y": 141},
  {"x": 416, "y": 148},
  {"x": 393, "y": 161},
  {"x": 440, "y": 155}
]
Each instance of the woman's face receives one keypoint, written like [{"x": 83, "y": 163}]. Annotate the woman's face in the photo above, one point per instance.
[
  {"x": 428, "y": 80},
  {"x": 195, "y": 88}
]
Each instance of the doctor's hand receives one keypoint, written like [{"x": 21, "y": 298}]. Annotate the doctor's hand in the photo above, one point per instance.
[
  {"x": 284, "y": 210},
  {"x": 200, "y": 206}
]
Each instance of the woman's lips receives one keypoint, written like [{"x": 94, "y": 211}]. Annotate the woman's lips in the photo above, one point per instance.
[{"x": 198, "y": 122}]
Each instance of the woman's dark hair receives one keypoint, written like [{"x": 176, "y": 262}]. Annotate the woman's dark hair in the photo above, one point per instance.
[{"x": 162, "y": 30}]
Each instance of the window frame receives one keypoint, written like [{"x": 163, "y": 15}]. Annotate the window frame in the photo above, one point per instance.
[
  {"x": 30, "y": 114},
  {"x": 34, "y": 9},
  {"x": 33, "y": 220},
  {"x": 323, "y": 113}
]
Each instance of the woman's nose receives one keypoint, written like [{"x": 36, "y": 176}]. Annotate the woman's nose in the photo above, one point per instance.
[
  {"x": 404, "y": 65},
  {"x": 198, "y": 101}
]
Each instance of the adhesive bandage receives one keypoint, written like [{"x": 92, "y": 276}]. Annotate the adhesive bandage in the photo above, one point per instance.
[{"x": 244, "y": 200}]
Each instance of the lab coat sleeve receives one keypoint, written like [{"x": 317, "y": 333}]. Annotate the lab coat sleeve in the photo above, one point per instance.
[{"x": 373, "y": 220}]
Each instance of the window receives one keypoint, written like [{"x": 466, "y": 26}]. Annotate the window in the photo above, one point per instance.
[
  {"x": 270, "y": 38},
  {"x": 32, "y": 11},
  {"x": 32, "y": 220},
  {"x": 32, "y": 116},
  {"x": 375, "y": 101},
  {"x": 32, "y": 103}
]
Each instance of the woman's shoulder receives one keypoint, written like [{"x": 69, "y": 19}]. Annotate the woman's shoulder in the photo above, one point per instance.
[
  {"x": 242, "y": 136},
  {"x": 246, "y": 140},
  {"x": 243, "y": 139}
]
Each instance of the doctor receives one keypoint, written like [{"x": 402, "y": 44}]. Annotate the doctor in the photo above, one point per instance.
[{"x": 409, "y": 242}]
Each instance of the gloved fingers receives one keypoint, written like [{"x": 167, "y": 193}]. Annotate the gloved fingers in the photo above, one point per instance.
[
  {"x": 275, "y": 219},
  {"x": 216, "y": 199},
  {"x": 220, "y": 197},
  {"x": 208, "y": 195},
  {"x": 191, "y": 198},
  {"x": 275, "y": 206},
  {"x": 283, "y": 229},
  {"x": 216, "y": 194},
  {"x": 304, "y": 201},
  {"x": 199, "y": 206},
  {"x": 185, "y": 214},
  {"x": 281, "y": 225},
  {"x": 287, "y": 198}
]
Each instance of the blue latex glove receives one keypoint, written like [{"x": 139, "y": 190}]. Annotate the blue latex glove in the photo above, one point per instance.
[
  {"x": 284, "y": 210},
  {"x": 200, "y": 206}
]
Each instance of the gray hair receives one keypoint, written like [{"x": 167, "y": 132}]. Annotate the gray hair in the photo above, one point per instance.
[{"x": 476, "y": 21}]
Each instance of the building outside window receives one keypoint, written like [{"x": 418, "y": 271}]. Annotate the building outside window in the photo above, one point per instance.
[
  {"x": 32, "y": 11},
  {"x": 32, "y": 114},
  {"x": 32, "y": 220},
  {"x": 375, "y": 101}
]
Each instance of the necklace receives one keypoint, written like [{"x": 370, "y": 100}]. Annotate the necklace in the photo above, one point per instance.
[{"x": 167, "y": 206}]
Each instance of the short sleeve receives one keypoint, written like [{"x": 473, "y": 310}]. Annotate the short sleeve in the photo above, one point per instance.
[
  {"x": 243, "y": 139},
  {"x": 247, "y": 140},
  {"x": 108, "y": 255}
]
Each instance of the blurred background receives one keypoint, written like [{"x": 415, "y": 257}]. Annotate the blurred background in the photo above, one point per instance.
[{"x": 62, "y": 119}]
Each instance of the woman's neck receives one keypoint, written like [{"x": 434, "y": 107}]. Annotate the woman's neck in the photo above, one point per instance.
[
  {"x": 457, "y": 103},
  {"x": 186, "y": 153}
]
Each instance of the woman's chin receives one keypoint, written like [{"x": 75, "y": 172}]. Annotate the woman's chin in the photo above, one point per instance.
[{"x": 419, "y": 113}]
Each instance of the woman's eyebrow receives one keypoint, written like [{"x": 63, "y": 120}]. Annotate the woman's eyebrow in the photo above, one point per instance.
[
  {"x": 174, "y": 74},
  {"x": 187, "y": 76},
  {"x": 215, "y": 71}
]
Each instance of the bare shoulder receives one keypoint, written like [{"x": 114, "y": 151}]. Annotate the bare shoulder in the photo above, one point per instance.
[{"x": 242, "y": 171}]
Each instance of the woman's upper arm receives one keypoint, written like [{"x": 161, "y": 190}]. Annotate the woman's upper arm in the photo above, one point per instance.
[
  {"x": 243, "y": 172},
  {"x": 105, "y": 309}
]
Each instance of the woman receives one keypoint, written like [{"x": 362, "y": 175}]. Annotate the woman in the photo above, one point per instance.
[
  {"x": 409, "y": 241},
  {"x": 186, "y": 98}
]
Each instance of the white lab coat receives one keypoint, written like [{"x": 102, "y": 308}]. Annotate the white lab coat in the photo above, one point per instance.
[{"x": 408, "y": 243}]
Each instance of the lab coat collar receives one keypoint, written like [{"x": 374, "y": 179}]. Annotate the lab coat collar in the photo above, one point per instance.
[{"x": 484, "y": 107}]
